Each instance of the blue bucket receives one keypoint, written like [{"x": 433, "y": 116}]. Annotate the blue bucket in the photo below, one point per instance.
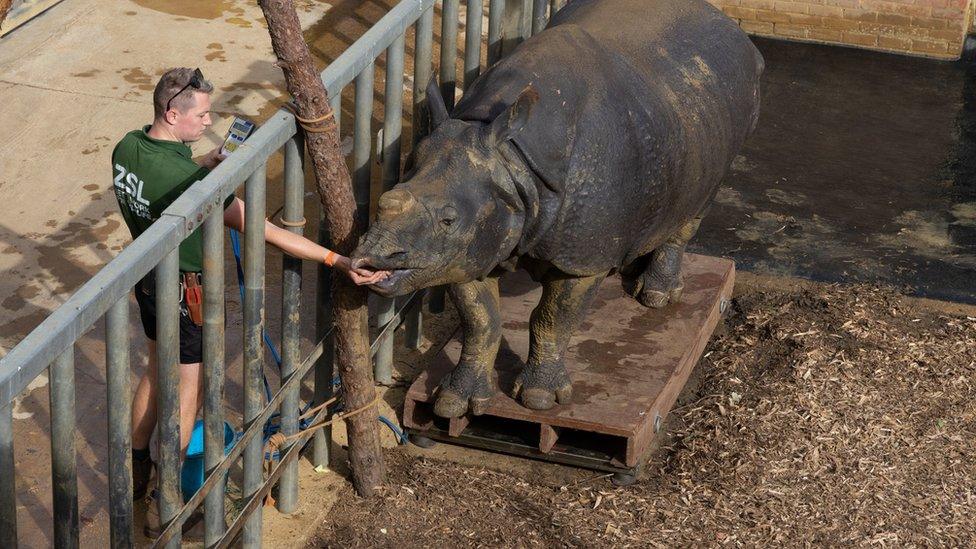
[{"x": 191, "y": 477}]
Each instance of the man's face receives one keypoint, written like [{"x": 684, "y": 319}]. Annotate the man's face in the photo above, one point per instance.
[{"x": 189, "y": 126}]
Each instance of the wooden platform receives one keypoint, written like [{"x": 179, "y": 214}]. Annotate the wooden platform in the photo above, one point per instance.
[{"x": 628, "y": 364}]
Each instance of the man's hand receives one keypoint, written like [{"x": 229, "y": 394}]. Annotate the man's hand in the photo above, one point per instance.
[
  {"x": 211, "y": 159},
  {"x": 360, "y": 276}
]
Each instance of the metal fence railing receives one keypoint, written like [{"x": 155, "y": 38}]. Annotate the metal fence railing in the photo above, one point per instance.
[{"x": 51, "y": 345}]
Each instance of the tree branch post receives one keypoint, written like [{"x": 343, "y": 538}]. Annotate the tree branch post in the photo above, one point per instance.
[{"x": 334, "y": 187}]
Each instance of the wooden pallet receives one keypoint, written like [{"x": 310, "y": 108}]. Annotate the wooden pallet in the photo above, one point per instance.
[{"x": 628, "y": 364}]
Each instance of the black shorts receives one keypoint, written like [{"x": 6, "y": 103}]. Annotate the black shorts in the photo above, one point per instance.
[{"x": 191, "y": 335}]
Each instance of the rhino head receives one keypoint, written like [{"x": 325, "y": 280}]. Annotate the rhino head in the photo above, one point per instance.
[{"x": 457, "y": 214}]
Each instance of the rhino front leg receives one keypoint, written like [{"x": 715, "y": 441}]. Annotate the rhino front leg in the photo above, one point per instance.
[
  {"x": 660, "y": 283},
  {"x": 544, "y": 381},
  {"x": 472, "y": 383}
]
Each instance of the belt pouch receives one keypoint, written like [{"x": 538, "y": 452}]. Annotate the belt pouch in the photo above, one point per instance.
[{"x": 194, "y": 298}]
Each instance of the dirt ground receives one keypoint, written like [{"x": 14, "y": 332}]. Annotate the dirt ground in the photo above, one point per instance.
[{"x": 823, "y": 414}]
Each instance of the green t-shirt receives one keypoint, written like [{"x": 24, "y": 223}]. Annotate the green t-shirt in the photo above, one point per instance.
[{"x": 149, "y": 175}]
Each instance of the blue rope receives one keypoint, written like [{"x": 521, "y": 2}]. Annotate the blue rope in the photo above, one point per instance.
[{"x": 272, "y": 426}]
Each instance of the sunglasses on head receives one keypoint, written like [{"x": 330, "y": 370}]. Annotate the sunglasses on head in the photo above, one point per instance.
[{"x": 196, "y": 82}]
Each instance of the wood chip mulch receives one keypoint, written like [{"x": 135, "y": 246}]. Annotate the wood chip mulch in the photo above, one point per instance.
[{"x": 840, "y": 416}]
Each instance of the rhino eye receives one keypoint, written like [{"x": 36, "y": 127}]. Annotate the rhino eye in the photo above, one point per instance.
[{"x": 448, "y": 216}]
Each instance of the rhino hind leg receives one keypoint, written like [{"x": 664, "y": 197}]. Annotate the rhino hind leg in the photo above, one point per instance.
[
  {"x": 544, "y": 381},
  {"x": 473, "y": 382},
  {"x": 659, "y": 280}
]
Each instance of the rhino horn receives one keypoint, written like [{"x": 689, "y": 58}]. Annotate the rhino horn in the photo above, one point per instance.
[
  {"x": 394, "y": 202},
  {"x": 436, "y": 104}
]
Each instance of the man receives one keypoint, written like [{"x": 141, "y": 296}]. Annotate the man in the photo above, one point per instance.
[{"x": 152, "y": 167}]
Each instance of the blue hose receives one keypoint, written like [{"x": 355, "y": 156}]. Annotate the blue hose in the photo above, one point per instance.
[
  {"x": 401, "y": 436},
  {"x": 272, "y": 427}
]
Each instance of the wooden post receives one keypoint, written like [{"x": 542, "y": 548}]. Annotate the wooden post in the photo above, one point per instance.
[{"x": 335, "y": 192}]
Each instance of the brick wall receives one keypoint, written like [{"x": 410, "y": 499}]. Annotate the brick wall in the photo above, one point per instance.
[{"x": 933, "y": 28}]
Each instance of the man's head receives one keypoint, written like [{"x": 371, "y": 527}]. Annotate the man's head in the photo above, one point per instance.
[{"x": 181, "y": 103}]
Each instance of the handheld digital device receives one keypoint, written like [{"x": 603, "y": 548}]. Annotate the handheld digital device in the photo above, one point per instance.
[{"x": 239, "y": 131}]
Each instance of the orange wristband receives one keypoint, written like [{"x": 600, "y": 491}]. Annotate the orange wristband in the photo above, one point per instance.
[{"x": 330, "y": 259}]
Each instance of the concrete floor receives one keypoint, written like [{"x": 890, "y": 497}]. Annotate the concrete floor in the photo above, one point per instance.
[
  {"x": 861, "y": 169},
  {"x": 76, "y": 79}
]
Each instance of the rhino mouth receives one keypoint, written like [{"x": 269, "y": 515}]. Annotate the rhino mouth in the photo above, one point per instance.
[
  {"x": 390, "y": 284},
  {"x": 399, "y": 280}
]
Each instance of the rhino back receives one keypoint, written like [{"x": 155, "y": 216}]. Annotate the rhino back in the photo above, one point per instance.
[{"x": 643, "y": 104}]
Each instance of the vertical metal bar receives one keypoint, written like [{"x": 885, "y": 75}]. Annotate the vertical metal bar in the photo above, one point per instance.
[
  {"x": 423, "y": 47},
  {"x": 324, "y": 368},
  {"x": 361, "y": 142},
  {"x": 422, "y": 70},
  {"x": 119, "y": 423},
  {"x": 290, "y": 323},
  {"x": 496, "y": 12},
  {"x": 448, "y": 68},
  {"x": 525, "y": 20},
  {"x": 8, "y": 483},
  {"x": 538, "y": 16},
  {"x": 512, "y": 26},
  {"x": 392, "y": 126},
  {"x": 472, "y": 42},
  {"x": 64, "y": 465},
  {"x": 336, "y": 103},
  {"x": 213, "y": 370},
  {"x": 168, "y": 396},
  {"x": 449, "y": 25},
  {"x": 254, "y": 212},
  {"x": 393, "y": 113},
  {"x": 415, "y": 323}
]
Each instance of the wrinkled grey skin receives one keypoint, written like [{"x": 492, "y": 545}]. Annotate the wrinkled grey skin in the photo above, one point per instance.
[{"x": 596, "y": 146}]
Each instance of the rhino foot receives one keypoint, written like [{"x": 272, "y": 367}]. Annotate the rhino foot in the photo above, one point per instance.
[
  {"x": 654, "y": 291},
  {"x": 657, "y": 299},
  {"x": 466, "y": 387},
  {"x": 541, "y": 386},
  {"x": 660, "y": 282}
]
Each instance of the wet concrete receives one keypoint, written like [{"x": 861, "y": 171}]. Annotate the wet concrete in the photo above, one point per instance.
[{"x": 861, "y": 169}]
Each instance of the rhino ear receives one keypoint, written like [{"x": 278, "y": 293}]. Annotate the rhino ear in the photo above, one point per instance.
[
  {"x": 435, "y": 104},
  {"x": 510, "y": 122}
]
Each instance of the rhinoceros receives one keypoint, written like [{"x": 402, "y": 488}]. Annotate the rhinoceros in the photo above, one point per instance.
[{"x": 594, "y": 148}]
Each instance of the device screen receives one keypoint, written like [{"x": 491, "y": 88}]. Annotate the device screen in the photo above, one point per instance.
[{"x": 239, "y": 131}]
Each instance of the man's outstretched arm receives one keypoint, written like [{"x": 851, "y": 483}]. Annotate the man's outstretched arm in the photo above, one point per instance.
[{"x": 298, "y": 246}]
